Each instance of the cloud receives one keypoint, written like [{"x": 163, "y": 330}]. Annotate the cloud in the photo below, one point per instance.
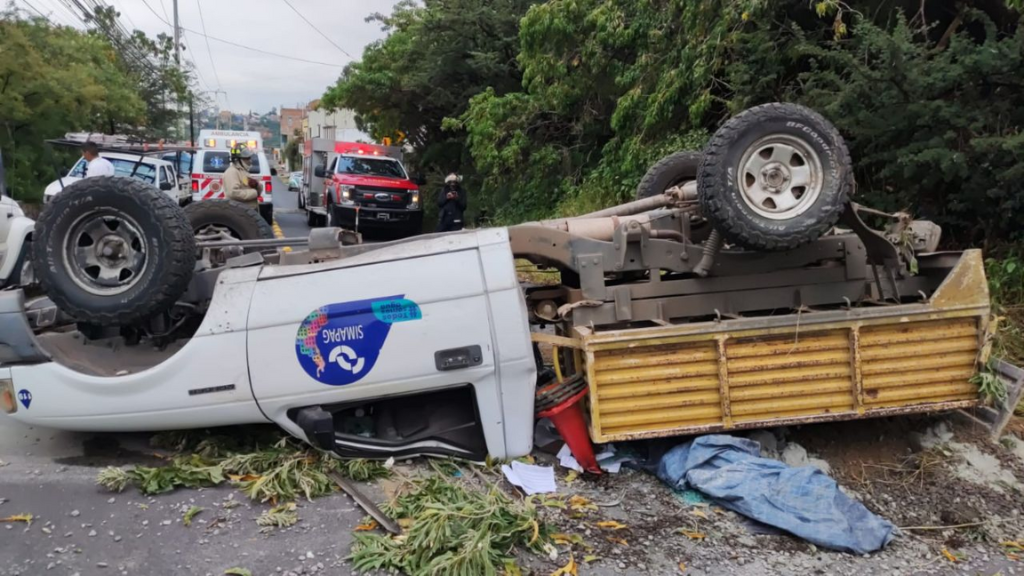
[{"x": 252, "y": 80}]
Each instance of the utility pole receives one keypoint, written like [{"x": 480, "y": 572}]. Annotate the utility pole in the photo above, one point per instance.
[{"x": 177, "y": 36}]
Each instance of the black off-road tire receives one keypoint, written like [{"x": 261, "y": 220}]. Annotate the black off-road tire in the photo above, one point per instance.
[
  {"x": 170, "y": 252},
  {"x": 240, "y": 221},
  {"x": 718, "y": 183},
  {"x": 669, "y": 171}
]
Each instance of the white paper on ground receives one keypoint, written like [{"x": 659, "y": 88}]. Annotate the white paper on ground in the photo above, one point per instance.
[
  {"x": 532, "y": 479},
  {"x": 606, "y": 459},
  {"x": 567, "y": 460}
]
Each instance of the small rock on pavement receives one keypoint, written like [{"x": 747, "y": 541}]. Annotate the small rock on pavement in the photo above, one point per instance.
[
  {"x": 92, "y": 533},
  {"x": 75, "y": 513},
  {"x": 309, "y": 555},
  {"x": 111, "y": 500},
  {"x": 102, "y": 564}
]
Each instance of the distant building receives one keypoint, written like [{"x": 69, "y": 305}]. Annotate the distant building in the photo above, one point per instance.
[
  {"x": 338, "y": 125},
  {"x": 291, "y": 120}
]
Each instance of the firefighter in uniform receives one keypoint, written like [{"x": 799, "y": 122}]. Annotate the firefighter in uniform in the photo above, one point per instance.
[{"x": 238, "y": 185}]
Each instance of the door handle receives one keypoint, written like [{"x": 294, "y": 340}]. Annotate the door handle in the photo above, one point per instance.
[{"x": 458, "y": 358}]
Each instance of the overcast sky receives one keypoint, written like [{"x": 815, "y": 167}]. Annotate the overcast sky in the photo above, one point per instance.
[{"x": 252, "y": 80}]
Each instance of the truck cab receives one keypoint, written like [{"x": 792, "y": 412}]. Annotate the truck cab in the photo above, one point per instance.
[{"x": 363, "y": 187}]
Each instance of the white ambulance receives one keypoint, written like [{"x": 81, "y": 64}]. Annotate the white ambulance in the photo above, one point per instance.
[{"x": 213, "y": 156}]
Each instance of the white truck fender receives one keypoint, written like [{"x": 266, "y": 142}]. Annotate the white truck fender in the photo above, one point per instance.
[{"x": 19, "y": 231}]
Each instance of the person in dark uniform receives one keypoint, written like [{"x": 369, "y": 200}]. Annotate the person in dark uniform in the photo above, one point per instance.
[{"x": 452, "y": 204}]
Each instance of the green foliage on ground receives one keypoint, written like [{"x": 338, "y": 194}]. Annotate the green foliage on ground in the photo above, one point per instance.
[
  {"x": 57, "y": 79},
  {"x": 264, "y": 464},
  {"x": 929, "y": 96},
  {"x": 452, "y": 529}
]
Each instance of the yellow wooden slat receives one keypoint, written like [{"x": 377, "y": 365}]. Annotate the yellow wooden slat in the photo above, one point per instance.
[
  {"x": 648, "y": 387},
  {"x": 928, "y": 393},
  {"x": 922, "y": 403},
  {"x": 790, "y": 375},
  {"x": 658, "y": 401},
  {"x": 685, "y": 356},
  {"x": 783, "y": 405},
  {"x": 669, "y": 416},
  {"x": 657, "y": 372},
  {"x": 918, "y": 349},
  {"x": 803, "y": 344},
  {"x": 918, "y": 334},
  {"x": 788, "y": 390},
  {"x": 769, "y": 417},
  {"x": 789, "y": 361},
  {"x": 915, "y": 363},
  {"x": 668, "y": 428},
  {"x": 916, "y": 378}
]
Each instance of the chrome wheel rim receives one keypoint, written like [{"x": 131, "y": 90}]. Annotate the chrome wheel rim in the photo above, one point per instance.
[{"x": 780, "y": 177}]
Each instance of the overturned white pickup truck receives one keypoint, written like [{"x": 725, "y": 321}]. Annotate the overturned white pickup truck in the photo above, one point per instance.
[{"x": 741, "y": 289}]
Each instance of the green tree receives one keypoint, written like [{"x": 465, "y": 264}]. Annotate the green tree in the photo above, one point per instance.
[
  {"x": 55, "y": 80},
  {"x": 927, "y": 94},
  {"x": 436, "y": 56}
]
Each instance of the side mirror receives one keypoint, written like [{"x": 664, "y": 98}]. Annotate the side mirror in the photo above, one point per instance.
[
  {"x": 318, "y": 172},
  {"x": 273, "y": 171},
  {"x": 419, "y": 180},
  {"x": 166, "y": 186}
]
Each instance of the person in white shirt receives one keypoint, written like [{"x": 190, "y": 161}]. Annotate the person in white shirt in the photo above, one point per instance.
[{"x": 96, "y": 166}]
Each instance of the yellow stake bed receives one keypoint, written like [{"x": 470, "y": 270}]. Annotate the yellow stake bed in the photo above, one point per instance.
[{"x": 797, "y": 368}]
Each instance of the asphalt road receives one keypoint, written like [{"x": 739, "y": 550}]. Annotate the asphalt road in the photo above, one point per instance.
[
  {"x": 80, "y": 528},
  {"x": 290, "y": 220}
]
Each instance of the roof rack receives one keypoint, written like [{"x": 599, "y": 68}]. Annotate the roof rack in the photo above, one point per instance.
[{"x": 118, "y": 143}]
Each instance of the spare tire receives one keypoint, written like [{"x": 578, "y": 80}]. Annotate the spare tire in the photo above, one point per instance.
[
  {"x": 112, "y": 250},
  {"x": 233, "y": 218},
  {"x": 672, "y": 170},
  {"x": 775, "y": 177}
]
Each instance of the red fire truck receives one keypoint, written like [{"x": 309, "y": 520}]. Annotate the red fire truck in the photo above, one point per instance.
[{"x": 360, "y": 187}]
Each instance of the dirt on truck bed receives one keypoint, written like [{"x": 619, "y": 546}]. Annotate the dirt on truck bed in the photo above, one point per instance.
[{"x": 956, "y": 496}]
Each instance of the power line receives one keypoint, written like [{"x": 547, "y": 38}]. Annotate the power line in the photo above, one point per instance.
[
  {"x": 64, "y": 20},
  {"x": 202, "y": 22},
  {"x": 203, "y": 34},
  {"x": 237, "y": 45},
  {"x": 29, "y": 4},
  {"x": 311, "y": 25},
  {"x": 164, "y": 9}
]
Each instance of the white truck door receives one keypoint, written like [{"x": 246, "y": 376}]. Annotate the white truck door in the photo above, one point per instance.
[{"x": 341, "y": 334}]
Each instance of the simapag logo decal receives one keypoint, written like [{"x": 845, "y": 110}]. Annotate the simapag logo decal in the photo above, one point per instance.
[
  {"x": 26, "y": 398},
  {"x": 339, "y": 344}
]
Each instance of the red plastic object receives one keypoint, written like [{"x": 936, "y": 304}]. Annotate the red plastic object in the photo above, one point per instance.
[{"x": 568, "y": 420}]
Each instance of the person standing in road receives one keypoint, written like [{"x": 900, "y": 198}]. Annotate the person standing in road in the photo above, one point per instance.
[
  {"x": 238, "y": 185},
  {"x": 452, "y": 203},
  {"x": 95, "y": 165}
]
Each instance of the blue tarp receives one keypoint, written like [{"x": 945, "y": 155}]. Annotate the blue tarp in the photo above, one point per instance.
[{"x": 802, "y": 501}]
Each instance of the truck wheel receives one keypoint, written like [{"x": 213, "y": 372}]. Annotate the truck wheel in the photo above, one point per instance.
[
  {"x": 672, "y": 170},
  {"x": 221, "y": 215},
  {"x": 113, "y": 250},
  {"x": 775, "y": 177}
]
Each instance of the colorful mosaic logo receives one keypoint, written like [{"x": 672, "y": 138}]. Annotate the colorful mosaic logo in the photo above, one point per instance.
[{"x": 339, "y": 344}]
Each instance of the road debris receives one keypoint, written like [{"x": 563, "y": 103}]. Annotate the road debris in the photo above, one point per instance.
[
  {"x": 531, "y": 478},
  {"x": 280, "y": 516},
  {"x": 454, "y": 528},
  {"x": 366, "y": 504},
  {"x": 190, "y": 514}
]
